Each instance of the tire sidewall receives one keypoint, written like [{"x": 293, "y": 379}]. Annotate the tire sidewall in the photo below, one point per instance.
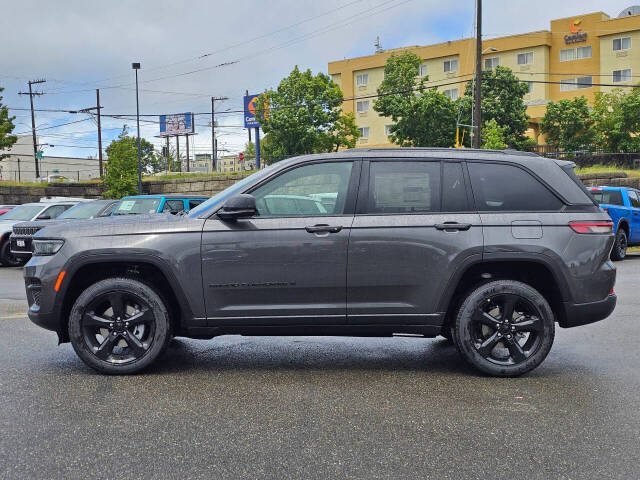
[
  {"x": 162, "y": 332},
  {"x": 463, "y": 337},
  {"x": 616, "y": 254},
  {"x": 5, "y": 253}
]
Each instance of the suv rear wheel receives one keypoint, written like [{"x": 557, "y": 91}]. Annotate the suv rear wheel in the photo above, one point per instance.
[
  {"x": 619, "y": 250},
  {"x": 504, "y": 328},
  {"x": 119, "y": 326}
]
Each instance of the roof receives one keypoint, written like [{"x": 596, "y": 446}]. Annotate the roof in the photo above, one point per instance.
[{"x": 168, "y": 195}]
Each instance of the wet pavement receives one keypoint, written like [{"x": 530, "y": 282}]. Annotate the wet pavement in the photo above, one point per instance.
[{"x": 324, "y": 407}]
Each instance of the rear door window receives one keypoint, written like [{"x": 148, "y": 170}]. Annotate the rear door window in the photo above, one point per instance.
[
  {"x": 404, "y": 187},
  {"x": 501, "y": 187}
]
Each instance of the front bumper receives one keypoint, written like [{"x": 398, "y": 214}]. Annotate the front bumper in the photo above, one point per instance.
[
  {"x": 576, "y": 314},
  {"x": 21, "y": 246}
]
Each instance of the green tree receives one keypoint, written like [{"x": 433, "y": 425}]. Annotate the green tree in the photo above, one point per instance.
[
  {"x": 503, "y": 101},
  {"x": 422, "y": 116},
  {"x": 493, "y": 136},
  {"x": 616, "y": 118},
  {"x": 567, "y": 124},
  {"x": 122, "y": 165},
  {"x": 250, "y": 149},
  {"x": 6, "y": 127},
  {"x": 345, "y": 133},
  {"x": 300, "y": 115}
]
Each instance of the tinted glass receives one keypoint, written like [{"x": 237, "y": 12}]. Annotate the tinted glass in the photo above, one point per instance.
[
  {"x": 83, "y": 210},
  {"x": 404, "y": 187},
  {"x": 310, "y": 190},
  {"x": 609, "y": 197},
  {"x": 137, "y": 206},
  {"x": 507, "y": 188},
  {"x": 633, "y": 197},
  {"x": 454, "y": 193},
  {"x": 194, "y": 203}
]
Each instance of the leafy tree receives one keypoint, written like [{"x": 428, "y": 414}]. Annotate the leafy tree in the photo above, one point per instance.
[
  {"x": 302, "y": 113},
  {"x": 422, "y": 117},
  {"x": 616, "y": 117},
  {"x": 502, "y": 101},
  {"x": 567, "y": 124},
  {"x": 250, "y": 149},
  {"x": 493, "y": 136},
  {"x": 344, "y": 134},
  {"x": 122, "y": 166},
  {"x": 6, "y": 127}
]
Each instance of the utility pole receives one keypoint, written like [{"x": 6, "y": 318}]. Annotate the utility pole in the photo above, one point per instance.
[
  {"x": 214, "y": 150},
  {"x": 178, "y": 152},
  {"x": 31, "y": 94},
  {"x": 186, "y": 137},
  {"x": 477, "y": 94},
  {"x": 99, "y": 132},
  {"x": 136, "y": 67}
]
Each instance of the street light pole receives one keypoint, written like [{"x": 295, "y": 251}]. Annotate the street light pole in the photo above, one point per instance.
[
  {"x": 136, "y": 67},
  {"x": 477, "y": 93}
]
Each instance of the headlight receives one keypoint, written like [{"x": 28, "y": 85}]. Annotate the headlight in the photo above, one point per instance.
[{"x": 47, "y": 247}]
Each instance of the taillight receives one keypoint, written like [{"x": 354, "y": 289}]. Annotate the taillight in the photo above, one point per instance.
[{"x": 605, "y": 226}]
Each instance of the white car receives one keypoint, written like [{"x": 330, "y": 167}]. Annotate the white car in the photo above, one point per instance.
[{"x": 43, "y": 210}]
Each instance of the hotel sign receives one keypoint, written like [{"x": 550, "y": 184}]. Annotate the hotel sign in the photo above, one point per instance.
[{"x": 576, "y": 34}]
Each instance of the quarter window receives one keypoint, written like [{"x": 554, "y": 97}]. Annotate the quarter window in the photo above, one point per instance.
[
  {"x": 525, "y": 58},
  {"x": 499, "y": 187},
  {"x": 623, "y": 43},
  {"x": 404, "y": 187},
  {"x": 309, "y": 191}
]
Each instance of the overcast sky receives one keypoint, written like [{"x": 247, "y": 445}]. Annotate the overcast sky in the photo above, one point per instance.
[{"x": 79, "y": 46}]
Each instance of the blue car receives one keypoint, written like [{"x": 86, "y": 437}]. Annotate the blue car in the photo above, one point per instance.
[
  {"x": 145, "y": 204},
  {"x": 623, "y": 206}
]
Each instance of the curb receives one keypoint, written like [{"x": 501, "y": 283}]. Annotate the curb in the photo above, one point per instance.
[{"x": 13, "y": 307}]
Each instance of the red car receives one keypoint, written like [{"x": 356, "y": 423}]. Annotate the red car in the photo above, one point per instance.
[{"x": 5, "y": 208}]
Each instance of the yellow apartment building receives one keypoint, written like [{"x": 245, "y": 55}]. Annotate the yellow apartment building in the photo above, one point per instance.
[{"x": 578, "y": 55}]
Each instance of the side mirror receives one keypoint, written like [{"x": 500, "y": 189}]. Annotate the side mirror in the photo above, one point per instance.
[
  {"x": 239, "y": 206},
  {"x": 44, "y": 216}
]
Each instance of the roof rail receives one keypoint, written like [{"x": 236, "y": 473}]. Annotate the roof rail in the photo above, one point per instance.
[{"x": 509, "y": 151}]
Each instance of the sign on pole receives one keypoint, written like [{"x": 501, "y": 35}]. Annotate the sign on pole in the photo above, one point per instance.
[
  {"x": 241, "y": 156},
  {"x": 250, "y": 120},
  {"x": 177, "y": 124}
]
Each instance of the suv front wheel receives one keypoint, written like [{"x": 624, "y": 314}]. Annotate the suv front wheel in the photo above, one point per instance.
[
  {"x": 504, "y": 328},
  {"x": 119, "y": 326}
]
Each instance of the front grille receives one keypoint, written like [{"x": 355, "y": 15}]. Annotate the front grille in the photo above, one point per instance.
[
  {"x": 34, "y": 288},
  {"x": 25, "y": 231}
]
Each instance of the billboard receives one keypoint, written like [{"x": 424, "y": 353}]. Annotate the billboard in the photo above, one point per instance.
[
  {"x": 176, "y": 124},
  {"x": 250, "y": 111}
]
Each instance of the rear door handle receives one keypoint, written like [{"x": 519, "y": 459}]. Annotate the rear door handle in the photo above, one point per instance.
[
  {"x": 452, "y": 226},
  {"x": 323, "y": 228}
]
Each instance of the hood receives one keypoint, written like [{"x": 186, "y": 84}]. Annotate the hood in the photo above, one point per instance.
[{"x": 122, "y": 225}]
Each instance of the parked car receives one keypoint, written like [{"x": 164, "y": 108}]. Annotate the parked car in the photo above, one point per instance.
[
  {"x": 23, "y": 232},
  {"x": 488, "y": 248},
  {"x": 623, "y": 206},
  {"x": 146, "y": 204},
  {"x": 6, "y": 208},
  {"x": 46, "y": 209}
]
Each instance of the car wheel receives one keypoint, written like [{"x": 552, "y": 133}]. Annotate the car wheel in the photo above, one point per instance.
[
  {"x": 119, "y": 326},
  {"x": 619, "y": 250},
  {"x": 504, "y": 328},
  {"x": 7, "y": 258}
]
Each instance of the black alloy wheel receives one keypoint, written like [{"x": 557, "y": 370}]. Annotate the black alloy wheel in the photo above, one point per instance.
[
  {"x": 619, "y": 250},
  {"x": 504, "y": 328},
  {"x": 119, "y": 326}
]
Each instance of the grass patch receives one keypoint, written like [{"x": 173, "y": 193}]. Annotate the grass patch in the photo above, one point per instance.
[{"x": 607, "y": 168}]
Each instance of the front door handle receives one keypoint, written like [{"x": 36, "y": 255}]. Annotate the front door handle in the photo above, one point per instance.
[
  {"x": 323, "y": 228},
  {"x": 452, "y": 226}
]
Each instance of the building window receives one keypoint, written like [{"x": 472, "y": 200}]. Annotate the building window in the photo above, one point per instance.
[
  {"x": 362, "y": 106},
  {"x": 567, "y": 84},
  {"x": 530, "y": 87},
  {"x": 567, "y": 54},
  {"x": 362, "y": 79},
  {"x": 525, "y": 58},
  {"x": 450, "y": 66},
  {"x": 364, "y": 132},
  {"x": 387, "y": 130},
  {"x": 584, "y": 82},
  {"x": 622, "y": 75},
  {"x": 622, "y": 43},
  {"x": 491, "y": 63},
  {"x": 422, "y": 70},
  {"x": 452, "y": 93},
  {"x": 583, "y": 52}
]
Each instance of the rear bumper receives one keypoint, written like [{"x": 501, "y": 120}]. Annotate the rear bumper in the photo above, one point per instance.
[{"x": 576, "y": 314}]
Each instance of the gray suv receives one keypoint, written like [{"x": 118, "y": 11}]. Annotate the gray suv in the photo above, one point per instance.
[{"x": 487, "y": 248}]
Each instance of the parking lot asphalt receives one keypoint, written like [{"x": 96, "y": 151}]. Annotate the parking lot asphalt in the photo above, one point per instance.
[
  {"x": 12, "y": 295},
  {"x": 321, "y": 408}
]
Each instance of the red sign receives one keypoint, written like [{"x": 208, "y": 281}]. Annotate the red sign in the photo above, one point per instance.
[{"x": 241, "y": 157}]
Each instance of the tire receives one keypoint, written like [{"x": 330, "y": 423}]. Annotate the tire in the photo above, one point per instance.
[
  {"x": 7, "y": 258},
  {"x": 504, "y": 328},
  {"x": 119, "y": 326},
  {"x": 619, "y": 250}
]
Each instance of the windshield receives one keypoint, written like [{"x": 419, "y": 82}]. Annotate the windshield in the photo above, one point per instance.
[
  {"x": 137, "y": 206},
  {"x": 23, "y": 212},
  {"x": 83, "y": 210},
  {"x": 214, "y": 201}
]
